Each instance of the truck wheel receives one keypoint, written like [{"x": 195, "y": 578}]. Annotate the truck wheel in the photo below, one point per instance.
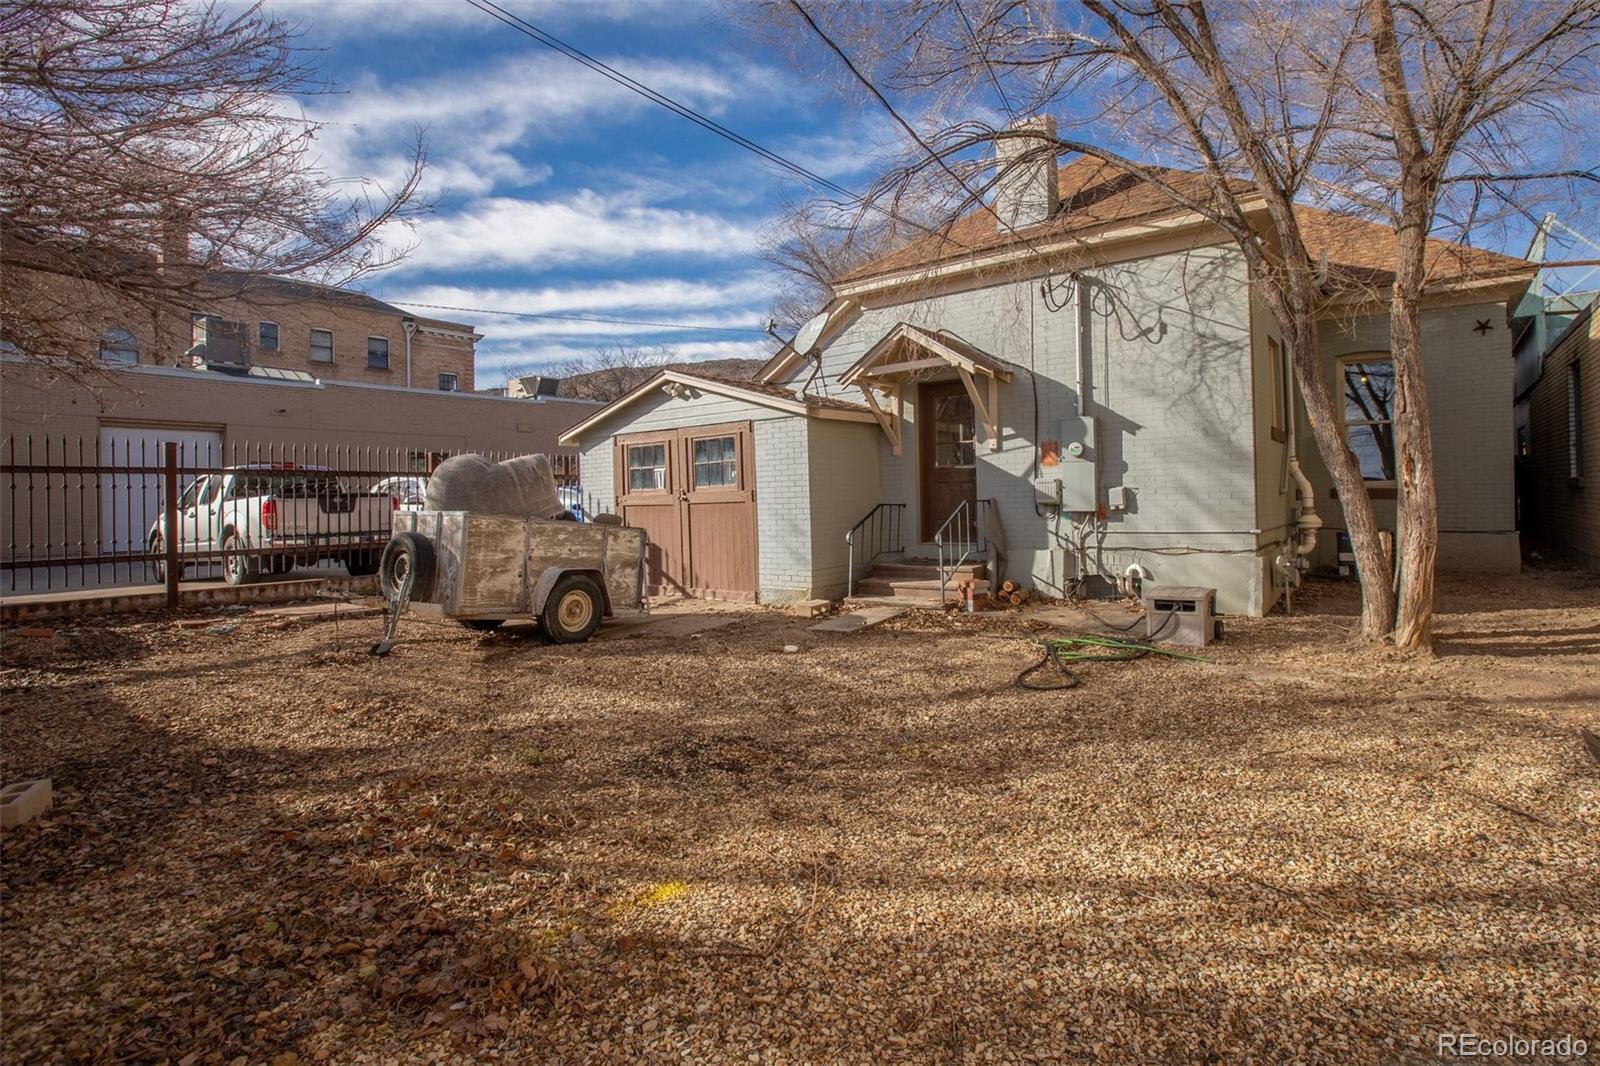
[
  {"x": 361, "y": 564},
  {"x": 481, "y": 625},
  {"x": 238, "y": 569},
  {"x": 573, "y": 611},
  {"x": 407, "y": 553},
  {"x": 158, "y": 547}
]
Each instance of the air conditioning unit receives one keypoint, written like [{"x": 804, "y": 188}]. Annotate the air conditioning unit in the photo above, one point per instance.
[{"x": 1180, "y": 614}]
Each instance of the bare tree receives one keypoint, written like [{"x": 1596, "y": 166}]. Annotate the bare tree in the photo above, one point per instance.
[
  {"x": 1459, "y": 90},
  {"x": 815, "y": 241},
  {"x": 1248, "y": 106},
  {"x": 1245, "y": 113},
  {"x": 153, "y": 149}
]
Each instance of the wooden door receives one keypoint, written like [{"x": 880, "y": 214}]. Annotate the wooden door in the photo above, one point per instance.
[
  {"x": 693, "y": 493},
  {"x": 648, "y": 481},
  {"x": 947, "y": 453}
]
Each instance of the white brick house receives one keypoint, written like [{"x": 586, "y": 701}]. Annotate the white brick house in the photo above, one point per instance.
[{"x": 1104, "y": 398}]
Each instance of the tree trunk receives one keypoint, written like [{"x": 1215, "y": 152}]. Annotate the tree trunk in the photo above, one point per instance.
[
  {"x": 1417, "y": 524},
  {"x": 1327, "y": 429}
]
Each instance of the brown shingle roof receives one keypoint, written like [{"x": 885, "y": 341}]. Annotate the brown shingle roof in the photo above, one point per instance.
[
  {"x": 1095, "y": 194},
  {"x": 1363, "y": 253}
]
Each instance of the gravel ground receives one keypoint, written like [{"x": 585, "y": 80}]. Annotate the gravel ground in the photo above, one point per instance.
[{"x": 268, "y": 847}]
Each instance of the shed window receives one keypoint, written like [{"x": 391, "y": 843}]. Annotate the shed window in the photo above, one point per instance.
[
  {"x": 1369, "y": 416},
  {"x": 716, "y": 462},
  {"x": 377, "y": 353},
  {"x": 647, "y": 467},
  {"x": 117, "y": 345},
  {"x": 322, "y": 346},
  {"x": 267, "y": 336}
]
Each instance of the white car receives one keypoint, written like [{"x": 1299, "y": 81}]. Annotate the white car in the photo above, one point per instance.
[
  {"x": 411, "y": 491},
  {"x": 263, "y": 519},
  {"x": 571, "y": 497}
]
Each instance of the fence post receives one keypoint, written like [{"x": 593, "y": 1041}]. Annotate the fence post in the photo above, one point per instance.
[{"x": 169, "y": 509}]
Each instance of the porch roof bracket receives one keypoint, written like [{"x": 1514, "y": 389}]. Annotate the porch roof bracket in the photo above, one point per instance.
[
  {"x": 890, "y": 425},
  {"x": 987, "y": 412}
]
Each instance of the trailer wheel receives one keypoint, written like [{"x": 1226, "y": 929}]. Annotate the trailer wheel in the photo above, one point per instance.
[
  {"x": 407, "y": 554},
  {"x": 573, "y": 611}
]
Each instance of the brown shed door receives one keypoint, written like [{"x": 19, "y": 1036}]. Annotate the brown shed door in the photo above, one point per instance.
[
  {"x": 693, "y": 493},
  {"x": 947, "y": 437}
]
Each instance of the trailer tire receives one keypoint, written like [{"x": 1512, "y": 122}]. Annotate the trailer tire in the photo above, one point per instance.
[
  {"x": 573, "y": 610},
  {"x": 407, "y": 553}
]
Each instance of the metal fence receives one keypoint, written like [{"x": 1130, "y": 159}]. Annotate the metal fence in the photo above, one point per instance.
[{"x": 131, "y": 508}]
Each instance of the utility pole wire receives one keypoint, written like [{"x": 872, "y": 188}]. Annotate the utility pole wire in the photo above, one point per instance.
[
  {"x": 873, "y": 89},
  {"x": 528, "y": 29}
]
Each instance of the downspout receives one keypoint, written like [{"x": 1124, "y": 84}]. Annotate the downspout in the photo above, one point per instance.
[
  {"x": 409, "y": 325},
  {"x": 1079, "y": 292}
]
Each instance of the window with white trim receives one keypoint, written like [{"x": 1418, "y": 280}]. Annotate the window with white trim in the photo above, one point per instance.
[
  {"x": 716, "y": 462},
  {"x": 117, "y": 345},
  {"x": 322, "y": 345},
  {"x": 647, "y": 467},
  {"x": 1368, "y": 387}
]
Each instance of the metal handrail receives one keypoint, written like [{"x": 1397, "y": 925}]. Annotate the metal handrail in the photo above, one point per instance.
[
  {"x": 881, "y": 529},
  {"x": 964, "y": 530}
]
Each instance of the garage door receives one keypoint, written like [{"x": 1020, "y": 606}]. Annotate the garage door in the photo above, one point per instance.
[
  {"x": 131, "y": 503},
  {"x": 693, "y": 493}
]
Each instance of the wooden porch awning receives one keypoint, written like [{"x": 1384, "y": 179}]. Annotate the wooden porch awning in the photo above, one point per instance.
[{"x": 907, "y": 353}]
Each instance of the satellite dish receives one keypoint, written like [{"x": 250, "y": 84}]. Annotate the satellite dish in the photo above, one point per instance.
[{"x": 806, "y": 339}]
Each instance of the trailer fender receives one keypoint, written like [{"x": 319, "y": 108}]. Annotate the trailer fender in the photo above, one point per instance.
[{"x": 547, "y": 581}]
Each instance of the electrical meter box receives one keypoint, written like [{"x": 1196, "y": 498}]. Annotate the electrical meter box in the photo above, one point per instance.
[
  {"x": 1047, "y": 492},
  {"x": 1080, "y": 465},
  {"x": 1180, "y": 614}
]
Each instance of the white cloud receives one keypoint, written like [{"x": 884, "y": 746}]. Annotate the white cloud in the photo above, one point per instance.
[
  {"x": 585, "y": 227},
  {"x": 480, "y": 122},
  {"x": 495, "y": 363},
  {"x": 671, "y": 294}
]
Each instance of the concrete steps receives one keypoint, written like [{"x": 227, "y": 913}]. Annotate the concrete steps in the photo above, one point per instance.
[{"x": 915, "y": 583}]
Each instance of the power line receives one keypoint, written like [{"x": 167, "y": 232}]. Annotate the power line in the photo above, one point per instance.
[
  {"x": 910, "y": 130},
  {"x": 983, "y": 54},
  {"x": 523, "y": 26},
  {"x": 586, "y": 318}
]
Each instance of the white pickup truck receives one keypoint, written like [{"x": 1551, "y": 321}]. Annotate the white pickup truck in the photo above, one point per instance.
[{"x": 263, "y": 519}]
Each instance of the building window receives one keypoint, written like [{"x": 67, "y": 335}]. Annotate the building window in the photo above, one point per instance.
[
  {"x": 377, "y": 353},
  {"x": 647, "y": 468},
  {"x": 716, "y": 462},
  {"x": 1574, "y": 423},
  {"x": 267, "y": 336},
  {"x": 1275, "y": 375},
  {"x": 954, "y": 432},
  {"x": 322, "y": 346},
  {"x": 1369, "y": 415},
  {"x": 447, "y": 383},
  {"x": 117, "y": 345}
]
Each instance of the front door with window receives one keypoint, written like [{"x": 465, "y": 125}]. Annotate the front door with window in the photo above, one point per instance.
[
  {"x": 693, "y": 493},
  {"x": 947, "y": 438}
]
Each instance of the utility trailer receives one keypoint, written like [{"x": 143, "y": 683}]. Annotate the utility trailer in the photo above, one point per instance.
[{"x": 482, "y": 569}]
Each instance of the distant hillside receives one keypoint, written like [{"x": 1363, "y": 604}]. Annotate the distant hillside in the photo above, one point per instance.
[{"x": 612, "y": 382}]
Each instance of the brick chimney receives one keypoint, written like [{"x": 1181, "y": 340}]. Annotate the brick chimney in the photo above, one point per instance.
[
  {"x": 1026, "y": 193},
  {"x": 172, "y": 242}
]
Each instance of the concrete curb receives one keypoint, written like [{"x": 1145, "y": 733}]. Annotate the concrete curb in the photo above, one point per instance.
[{"x": 15, "y": 610}]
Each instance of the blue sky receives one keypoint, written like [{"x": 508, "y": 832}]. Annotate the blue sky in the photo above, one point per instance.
[{"x": 560, "y": 192}]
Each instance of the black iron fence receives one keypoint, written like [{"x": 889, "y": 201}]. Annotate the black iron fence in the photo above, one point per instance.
[{"x": 132, "y": 508}]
